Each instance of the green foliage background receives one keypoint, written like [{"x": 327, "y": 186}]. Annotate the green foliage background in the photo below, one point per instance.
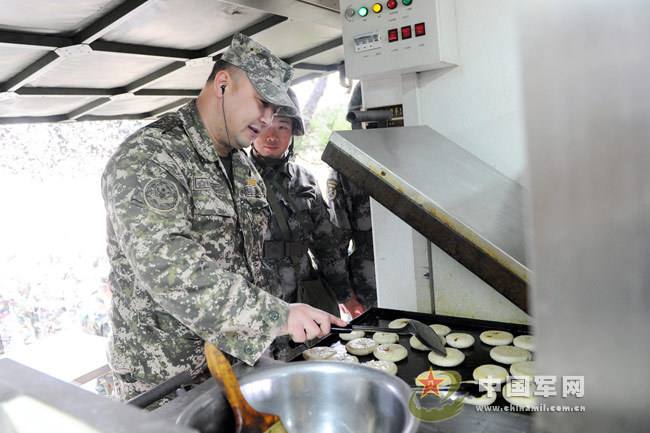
[{"x": 327, "y": 118}]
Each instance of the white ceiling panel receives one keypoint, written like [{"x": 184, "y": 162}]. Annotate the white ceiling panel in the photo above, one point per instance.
[
  {"x": 14, "y": 59},
  {"x": 187, "y": 24},
  {"x": 39, "y": 16},
  {"x": 41, "y": 105},
  {"x": 191, "y": 77},
  {"x": 134, "y": 105},
  {"x": 292, "y": 37},
  {"x": 98, "y": 70}
]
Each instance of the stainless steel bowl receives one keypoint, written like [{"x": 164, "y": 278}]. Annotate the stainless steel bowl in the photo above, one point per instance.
[{"x": 315, "y": 397}]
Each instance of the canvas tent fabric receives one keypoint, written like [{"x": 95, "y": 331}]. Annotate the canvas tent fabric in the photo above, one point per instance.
[{"x": 138, "y": 59}]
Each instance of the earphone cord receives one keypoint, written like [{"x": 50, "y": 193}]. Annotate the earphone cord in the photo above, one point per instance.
[{"x": 223, "y": 111}]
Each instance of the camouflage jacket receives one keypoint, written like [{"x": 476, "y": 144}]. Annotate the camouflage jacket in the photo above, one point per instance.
[
  {"x": 351, "y": 209},
  {"x": 309, "y": 222},
  {"x": 184, "y": 245}
]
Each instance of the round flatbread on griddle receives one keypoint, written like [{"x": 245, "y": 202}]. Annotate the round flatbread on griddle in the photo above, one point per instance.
[{"x": 496, "y": 338}]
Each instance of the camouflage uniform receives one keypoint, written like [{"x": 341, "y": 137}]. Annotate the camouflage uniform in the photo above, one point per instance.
[
  {"x": 185, "y": 244},
  {"x": 306, "y": 214},
  {"x": 351, "y": 208}
]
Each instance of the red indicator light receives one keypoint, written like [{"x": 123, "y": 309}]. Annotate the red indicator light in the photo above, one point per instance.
[
  {"x": 392, "y": 4},
  {"x": 420, "y": 30},
  {"x": 393, "y": 35},
  {"x": 406, "y": 32}
]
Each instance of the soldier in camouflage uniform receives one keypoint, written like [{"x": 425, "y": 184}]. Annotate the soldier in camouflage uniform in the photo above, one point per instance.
[
  {"x": 186, "y": 216},
  {"x": 351, "y": 208},
  {"x": 301, "y": 233}
]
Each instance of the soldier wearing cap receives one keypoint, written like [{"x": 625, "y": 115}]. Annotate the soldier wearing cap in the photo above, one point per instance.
[
  {"x": 186, "y": 217},
  {"x": 302, "y": 246}
]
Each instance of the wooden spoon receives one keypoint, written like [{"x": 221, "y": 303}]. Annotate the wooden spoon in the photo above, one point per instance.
[{"x": 247, "y": 419}]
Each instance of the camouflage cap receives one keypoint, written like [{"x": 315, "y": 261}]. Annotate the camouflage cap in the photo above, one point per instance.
[
  {"x": 296, "y": 118},
  {"x": 269, "y": 75}
]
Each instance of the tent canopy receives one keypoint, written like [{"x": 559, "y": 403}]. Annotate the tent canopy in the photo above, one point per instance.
[{"x": 137, "y": 59}]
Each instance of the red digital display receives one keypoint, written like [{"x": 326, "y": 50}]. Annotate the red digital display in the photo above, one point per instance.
[
  {"x": 420, "y": 30},
  {"x": 393, "y": 35},
  {"x": 406, "y": 32}
]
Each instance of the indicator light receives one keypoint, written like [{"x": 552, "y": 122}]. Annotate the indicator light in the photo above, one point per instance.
[
  {"x": 393, "y": 35},
  {"x": 406, "y": 32},
  {"x": 419, "y": 29},
  {"x": 392, "y": 4},
  {"x": 363, "y": 11},
  {"x": 377, "y": 7},
  {"x": 407, "y": 2}
]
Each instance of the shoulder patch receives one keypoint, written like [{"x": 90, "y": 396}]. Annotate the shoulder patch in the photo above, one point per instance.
[
  {"x": 161, "y": 195},
  {"x": 331, "y": 188}
]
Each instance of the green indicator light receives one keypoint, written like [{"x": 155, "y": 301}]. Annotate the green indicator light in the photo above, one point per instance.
[
  {"x": 363, "y": 11},
  {"x": 407, "y": 2}
]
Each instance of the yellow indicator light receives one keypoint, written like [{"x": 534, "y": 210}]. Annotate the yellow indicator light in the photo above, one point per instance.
[{"x": 377, "y": 7}]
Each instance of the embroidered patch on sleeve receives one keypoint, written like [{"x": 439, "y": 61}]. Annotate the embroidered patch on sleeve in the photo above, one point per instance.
[{"x": 161, "y": 195}]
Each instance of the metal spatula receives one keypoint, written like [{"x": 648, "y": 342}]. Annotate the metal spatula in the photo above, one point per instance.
[
  {"x": 247, "y": 419},
  {"x": 424, "y": 333}
]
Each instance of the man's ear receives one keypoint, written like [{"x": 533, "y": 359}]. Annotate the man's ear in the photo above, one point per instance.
[{"x": 221, "y": 82}]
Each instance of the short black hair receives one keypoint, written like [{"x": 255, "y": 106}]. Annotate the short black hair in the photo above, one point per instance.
[{"x": 219, "y": 65}]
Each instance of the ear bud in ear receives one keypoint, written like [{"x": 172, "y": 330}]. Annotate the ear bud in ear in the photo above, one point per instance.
[{"x": 223, "y": 89}]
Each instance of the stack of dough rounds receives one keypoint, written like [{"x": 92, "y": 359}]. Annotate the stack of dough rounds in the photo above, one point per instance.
[
  {"x": 361, "y": 346},
  {"x": 440, "y": 373},
  {"x": 352, "y": 335},
  {"x": 490, "y": 371},
  {"x": 385, "y": 366},
  {"x": 485, "y": 400},
  {"x": 344, "y": 357},
  {"x": 417, "y": 344},
  {"x": 454, "y": 357},
  {"x": 496, "y": 338},
  {"x": 509, "y": 354},
  {"x": 525, "y": 342},
  {"x": 526, "y": 401},
  {"x": 459, "y": 340},
  {"x": 318, "y": 353},
  {"x": 398, "y": 323},
  {"x": 441, "y": 330},
  {"x": 523, "y": 369},
  {"x": 390, "y": 352},
  {"x": 385, "y": 337}
]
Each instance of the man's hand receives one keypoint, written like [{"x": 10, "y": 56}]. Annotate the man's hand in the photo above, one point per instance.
[
  {"x": 354, "y": 307},
  {"x": 306, "y": 322}
]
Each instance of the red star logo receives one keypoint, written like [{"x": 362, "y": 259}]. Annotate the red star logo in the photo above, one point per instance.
[{"x": 430, "y": 384}]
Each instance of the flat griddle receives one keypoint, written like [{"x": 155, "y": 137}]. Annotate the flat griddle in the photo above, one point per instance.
[{"x": 417, "y": 361}]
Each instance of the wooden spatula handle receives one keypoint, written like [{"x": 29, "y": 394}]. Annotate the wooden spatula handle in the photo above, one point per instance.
[{"x": 245, "y": 415}]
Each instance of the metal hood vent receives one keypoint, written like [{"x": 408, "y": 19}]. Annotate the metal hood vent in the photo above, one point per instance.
[{"x": 464, "y": 206}]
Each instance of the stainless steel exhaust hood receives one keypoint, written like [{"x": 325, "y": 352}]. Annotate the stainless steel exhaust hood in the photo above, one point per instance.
[{"x": 464, "y": 206}]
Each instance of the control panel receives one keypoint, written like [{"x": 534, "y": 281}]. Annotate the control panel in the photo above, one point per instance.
[{"x": 391, "y": 37}]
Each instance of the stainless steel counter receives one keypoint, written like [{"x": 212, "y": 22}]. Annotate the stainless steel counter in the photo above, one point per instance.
[
  {"x": 34, "y": 400},
  {"x": 460, "y": 203}
]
